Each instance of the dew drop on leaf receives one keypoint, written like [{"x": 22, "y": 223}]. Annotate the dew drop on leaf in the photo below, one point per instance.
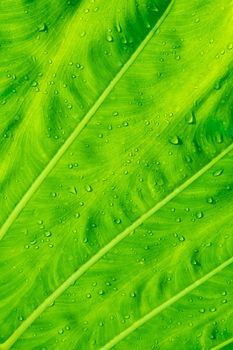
[
  {"x": 199, "y": 214},
  {"x": 175, "y": 140},
  {"x": 43, "y": 27},
  {"x": 190, "y": 118},
  {"x": 218, "y": 172},
  {"x": 109, "y": 38},
  {"x": 48, "y": 234},
  {"x": 88, "y": 188}
]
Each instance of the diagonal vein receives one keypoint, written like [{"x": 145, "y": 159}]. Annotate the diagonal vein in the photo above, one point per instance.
[
  {"x": 140, "y": 322},
  {"x": 94, "y": 259},
  {"x": 50, "y": 166},
  {"x": 223, "y": 344}
]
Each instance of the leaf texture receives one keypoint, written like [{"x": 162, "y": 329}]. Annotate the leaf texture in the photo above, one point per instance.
[{"x": 116, "y": 174}]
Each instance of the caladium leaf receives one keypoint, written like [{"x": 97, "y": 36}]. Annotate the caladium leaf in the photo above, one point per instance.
[{"x": 116, "y": 174}]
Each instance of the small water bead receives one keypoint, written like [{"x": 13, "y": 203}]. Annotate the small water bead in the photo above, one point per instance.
[
  {"x": 210, "y": 200},
  {"x": 118, "y": 28},
  {"x": 109, "y": 38},
  {"x": 61, "y": 331},
  {"x": 218, "y": 172},
  {"x": 202, "y": 310},
  {"x": 48, "y": 234},
  {"x": 34, "y": 83},
  {"x": 219, "y": 138},
  {"x": 117, "y": 221},
  {"x": 88, "y": 295},
  {"x": 213, "y": 309},
  {"x": 199, "y": 214},
  {"x": 88, "y": 188},
  {"x": 101, "y": 292},
  {"x": 190, "y": 118},
  {"x": 230, "y": 46},
  {"x": 133, "y": 295},
  {"x": 175, "y": 140},
  {"x": 43, "y": 27}
]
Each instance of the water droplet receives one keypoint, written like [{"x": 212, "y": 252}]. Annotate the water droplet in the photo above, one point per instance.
[
  {"x": 219, "y": 138},
  {"x": 210, "y": 200},
  {"x": 213, "y": 309},
  {"x": 73, "y": 190},
  {"x": 117, "y": 221},
  {"x": 61, "y": 331},
  {"x": 230, "y": 46},
  {"x": 43, "y": 27},
  {"x": 88, "y": 188},
  {"x": 109, "y": 38},
  {"x": 218, "y": 172},
  {"x": 118, "y": 28},
  {"x": 101, "y": 292},
  {"x": 48, "y": 234},
  {"x": 199, "y": 214},
  {"x": 202, "y": 310},
  {"x": 88, "y": 295},
  {"x": 133, "y": 295},
  {"x": 175, "y": 140},
  {"x": 190, "y": 118},
  {"x": 34, "y": 83}
]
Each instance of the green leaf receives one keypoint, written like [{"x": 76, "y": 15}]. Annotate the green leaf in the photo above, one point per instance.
[{"x": 116, "y": 174}]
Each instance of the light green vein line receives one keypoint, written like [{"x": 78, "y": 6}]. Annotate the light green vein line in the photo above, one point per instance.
[
  {"x": 84, "y": 268},
  {"x": 39, "y": 180},
  {"x": 222, "y": 345},
  {"x": 165, "y": 305}
]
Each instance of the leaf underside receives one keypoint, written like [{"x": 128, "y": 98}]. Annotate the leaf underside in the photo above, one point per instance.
[{"x": 116, "y": 150}]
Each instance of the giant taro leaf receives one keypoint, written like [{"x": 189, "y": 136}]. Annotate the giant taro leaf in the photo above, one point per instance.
[{"x": 116, "y": 174}]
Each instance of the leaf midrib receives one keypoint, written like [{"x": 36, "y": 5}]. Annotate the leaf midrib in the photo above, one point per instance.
[
  {"x": 94, "y": 259},
  {"x": 50, "y": 166}
]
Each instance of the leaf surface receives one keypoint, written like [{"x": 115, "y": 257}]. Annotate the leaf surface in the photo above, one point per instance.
[{"x": 116, "y": 174}]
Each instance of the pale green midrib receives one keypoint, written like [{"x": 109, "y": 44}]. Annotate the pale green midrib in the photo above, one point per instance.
[
  {"x": 223, "y": 344},
  {"x": 39, "y": 180},
  {"x": 165, "y": 305},
  {"x": 84, "y": 268}
]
